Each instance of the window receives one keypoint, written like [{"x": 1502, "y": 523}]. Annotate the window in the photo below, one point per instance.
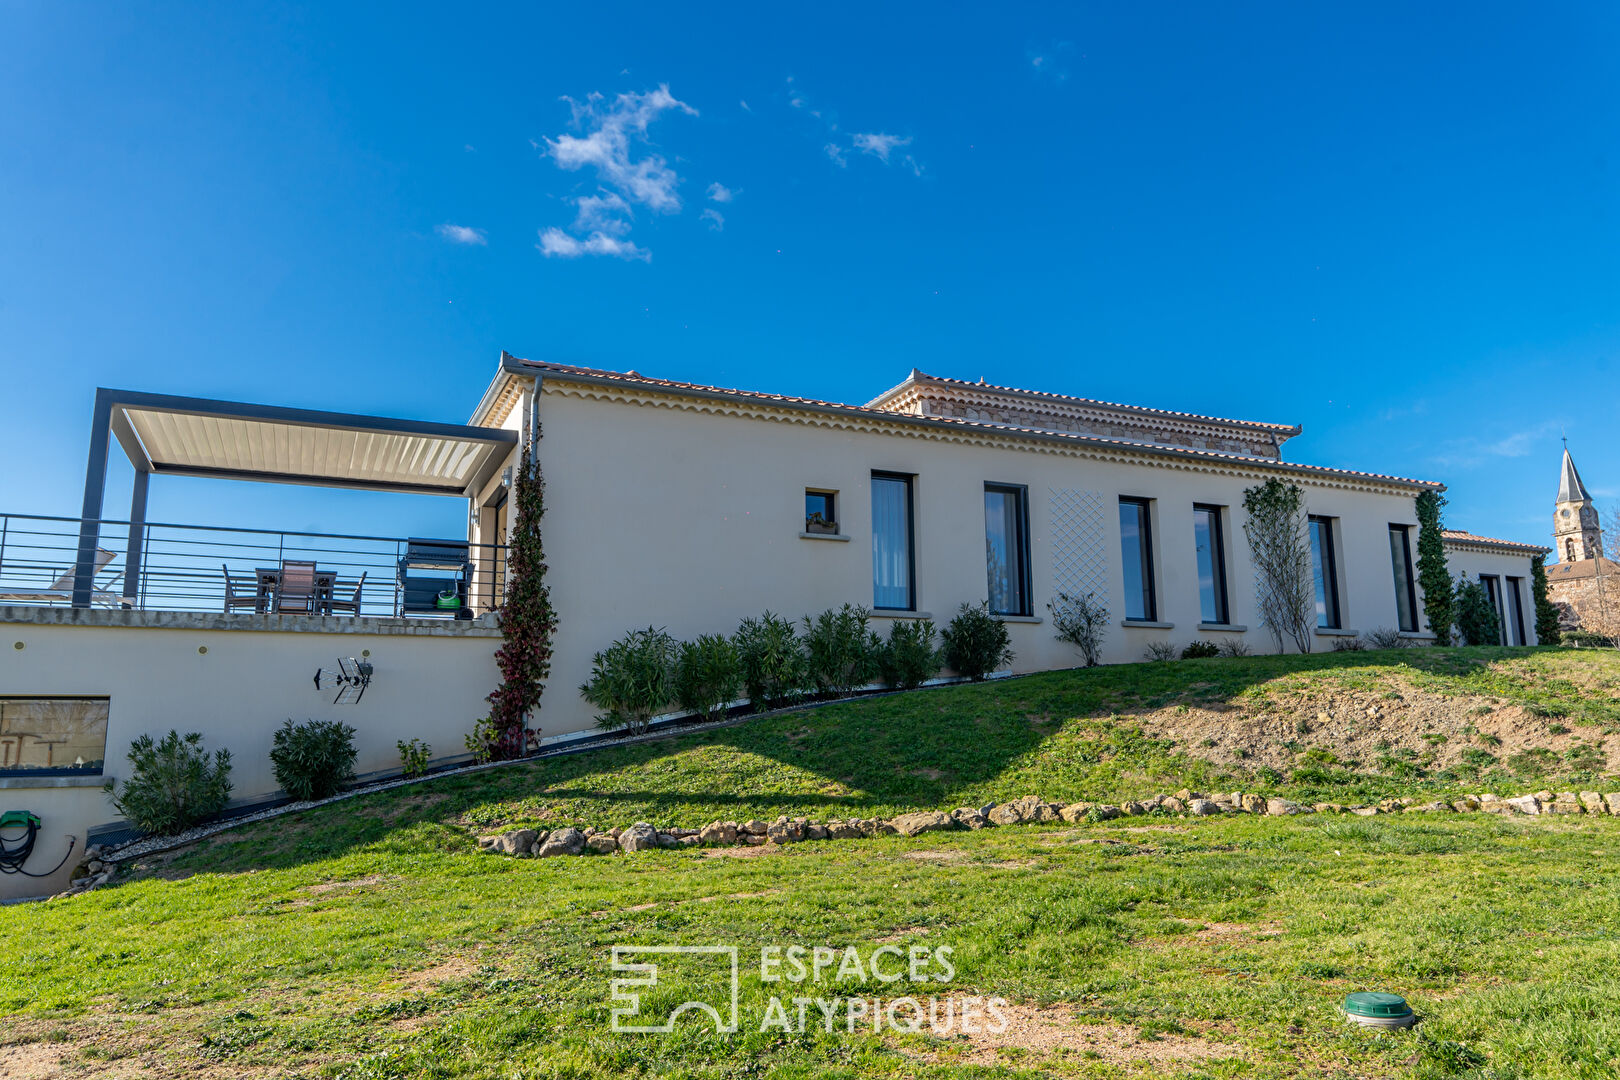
[
  {"x": 1400, "y": 555},
  {"x": 820, "y": 511},
  {"x": 893, "y": 551},
  {"x": 1325, "y": 569},
  {"x": 1136, "y": 549},
  {"x": 1211, "y": 552},
  {"x": 1515, "y": 590},
  {"x": 1006, "y": 548},
  {"x": 52, "y": 736},
  {"x": 1493, "y": 589}
]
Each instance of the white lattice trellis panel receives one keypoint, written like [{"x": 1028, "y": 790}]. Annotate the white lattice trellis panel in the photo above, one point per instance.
[{"x": 1079, "y": 543}]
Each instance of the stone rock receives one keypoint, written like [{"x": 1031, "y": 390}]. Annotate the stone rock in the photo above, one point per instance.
[
  {"x": 1284, "y": 808},
  {"x": 1328, "y": 808},
  {"x": 1365, "y": 811},
  {"x": 1524, "y": 804},
  {"x": 681, "y": 834},
  {"x": 1102, "y": 812},
  {"x": 602, "y": 843},
  {"x": 1006, "y": 814},
  {"x": 755, "y": 827},
  {"x": 1544, "y": 796},
  {"x": 638, "y": 837},
  {"x": 667, "y": 841},
  {"x": 814, "y": 831},
  {"x": 844, "y": 830},
  {"x": 719, "y": 832},
  {"x": 1436, "y": 807},
  {"x": 754, "y": 841},
  {"x": 1187, "y": 796},
  {"x": 883, "y": 828},
  {"x": 785, "y": 832},
  {"x": 969, "y": 818},
  {"x": 1042, "y": 811},
  {"x": 94, "y": 867},
  {"x": 922, "y": 822},
  {"x": 690, "y": 840},
  {"x": 488, "y": 843},
  {"x": 1391, "y": 806},
  {"x": 517, "y": 842},
  {"x": 569, "y": 841},
  {"x": 1202, "y": 807},
  {"x": 1613, "y": 799},
  {"x": 1173, "y": 805},
  {"x": 1075, "y": 811},
  {"x": 616, "y": 832},
  {"x": 1465, "y": 805},
  {"x": 1564, "y": 806},
  {"x": 1324, "y": 718},
  {"x": 1593, "y": 802},
  {"x": 1133, "y": 809},
  {"x": 1255, "y": 804}
]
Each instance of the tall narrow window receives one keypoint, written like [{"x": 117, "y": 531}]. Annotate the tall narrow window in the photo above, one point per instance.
[
  {"x": 1210, "y": 548},
  {"x": 1325, "y": 569},
  {"x": 1136, "y": 551},
  {"x": 893, "y": 553},
  {"x": 1400, "y": 556},
  {"x": 1006, "y": 548},
  {"x": 1493, "y": 590},
  {"x": 1515, "y": 590}
]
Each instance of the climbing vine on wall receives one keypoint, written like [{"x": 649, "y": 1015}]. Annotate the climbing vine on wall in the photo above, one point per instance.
[
  {"x": 1434, "y": 576},
  {"x": 527, "y": 622}
]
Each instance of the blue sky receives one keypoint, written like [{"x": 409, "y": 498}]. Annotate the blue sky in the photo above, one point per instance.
[{"x": 1397, "y": 227}]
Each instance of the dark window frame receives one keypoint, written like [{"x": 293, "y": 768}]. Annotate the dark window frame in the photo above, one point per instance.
[
  {"x": 15, "y": 770},
  {"x": 1149, "y": 579},
  {"x": 909, "y": 480},
  {"x": 831, "y": 516},
  {"x": 1492, "y": 584},
  {"x": 1411, "y": 582},
  {"x": 1330, "y": 574},
  {"x": 1217, "y": 543},
  {"x": 1025, "y": 590},
  {"x": 1515, "y": 587}
]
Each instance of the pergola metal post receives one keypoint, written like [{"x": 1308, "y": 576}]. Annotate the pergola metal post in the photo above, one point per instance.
[
  {"x": 95, "y": 486},
  {"x": 137, "y": 538}
]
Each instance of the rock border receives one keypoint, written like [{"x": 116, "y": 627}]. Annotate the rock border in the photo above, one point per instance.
[{"x": 643, "y": 836}]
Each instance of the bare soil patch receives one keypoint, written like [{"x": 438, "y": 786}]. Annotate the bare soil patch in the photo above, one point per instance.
[
  {"x": 451, "y": 970},
  {"x": 1052, "y": 1031}
]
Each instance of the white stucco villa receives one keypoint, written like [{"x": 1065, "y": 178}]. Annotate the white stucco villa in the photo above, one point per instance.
[{"x": 668, "y": 504}]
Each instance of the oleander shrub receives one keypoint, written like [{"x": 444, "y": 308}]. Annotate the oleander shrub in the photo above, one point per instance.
[
  {"x": 976, "y": 642},
  {"x": 173, "y": 783},
  {"x": 841, "y": 654},
  {"x": 708, "y": 675},
  {"x": 632, "y": 679},
  {"x": 1200, "y": 650},
  {"x": 774, "y": 670},
  {"x": 910, "y": 657},
  {"x": 313, "y": 760}
]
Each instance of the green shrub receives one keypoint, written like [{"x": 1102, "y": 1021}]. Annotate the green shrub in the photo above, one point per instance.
[
  {"x": 1581, "y": 639},
  {"x": 480, "y": 742},
  {"x": 708, "y": 675},
  {"x": 413, "y": 758},
  {"x": 840, "y": 652},
  {"x": 172, "y": 784},
  {"x": 1547, "y": 632},
  {"x": 910, "y": 657},
  {"x": 631, "y": 680},
  {"x": 1475, "y": 616},
  {"x": 1081, "y": 621},
  {"x": 772, "y": 659},
  {"x": 976, "y": 642},
  {"x": 1434, "y": 577},
  {"x": 314, "y": 759},
  {"x": 1200, "y": 650}
]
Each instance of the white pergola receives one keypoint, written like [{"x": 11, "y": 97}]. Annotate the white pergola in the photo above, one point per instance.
[{"x": 231, "y": 440}]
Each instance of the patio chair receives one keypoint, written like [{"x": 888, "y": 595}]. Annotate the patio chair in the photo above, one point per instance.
[
  {"x": 351, "y": 605},
  {"x": 296, "y": 590},
  {"x": 62, "y": 588},
  {"x": 240, "y": 592}
]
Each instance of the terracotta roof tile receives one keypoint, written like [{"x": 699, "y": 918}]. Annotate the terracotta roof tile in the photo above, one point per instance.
[
  {"x": 1471, "y": 538},
  {"x": 633, "y": 378}
]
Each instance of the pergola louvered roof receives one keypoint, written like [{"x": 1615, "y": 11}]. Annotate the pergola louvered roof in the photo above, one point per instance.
[{"x": 180, "y": 436}]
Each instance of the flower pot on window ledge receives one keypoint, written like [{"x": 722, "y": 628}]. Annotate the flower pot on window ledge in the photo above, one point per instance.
[{"x": 816, "y": 524}]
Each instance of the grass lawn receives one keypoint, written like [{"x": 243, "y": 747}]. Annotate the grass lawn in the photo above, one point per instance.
[{"x": 371, "y": 939}]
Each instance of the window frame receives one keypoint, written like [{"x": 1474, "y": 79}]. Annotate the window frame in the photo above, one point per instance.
[
  {"x": 909, "y": 481},
  {"x": 1150, "y": 586},
  {"x": 1410, "y": 598},
  {"x": 1025, "y": 590},
  {"x": 14, "y": 770},
  {"x": 1318, "y": 525},
  {"x": 831, "y": 497},
  {"x": 1217, "y": 543},
  {"x": 1492, "y": 584},
  {"x": 1515, "y": 587}
]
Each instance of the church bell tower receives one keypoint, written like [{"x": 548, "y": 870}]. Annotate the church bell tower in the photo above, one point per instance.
[{"x": 1575, "y": 521}]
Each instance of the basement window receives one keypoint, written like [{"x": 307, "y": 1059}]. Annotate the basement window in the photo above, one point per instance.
[{"x": 52, "y": 736}]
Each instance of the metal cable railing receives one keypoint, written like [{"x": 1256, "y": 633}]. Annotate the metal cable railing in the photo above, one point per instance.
[{"x": 156, "y": 566}]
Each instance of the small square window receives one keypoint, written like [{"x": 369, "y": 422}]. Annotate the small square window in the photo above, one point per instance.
[{"x": 820, "y": 511}]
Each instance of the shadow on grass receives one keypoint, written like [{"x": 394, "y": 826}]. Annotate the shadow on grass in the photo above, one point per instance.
[{"x": 1057, "y": 734}]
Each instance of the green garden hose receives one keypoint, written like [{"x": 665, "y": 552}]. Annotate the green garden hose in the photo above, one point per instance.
[{"x": 12, "y": 857}]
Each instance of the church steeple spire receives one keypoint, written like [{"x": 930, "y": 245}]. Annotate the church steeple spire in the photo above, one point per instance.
[{"x": 1575, "y": 521}]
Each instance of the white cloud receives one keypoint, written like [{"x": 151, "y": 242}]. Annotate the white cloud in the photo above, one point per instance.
[
  {"x": 554, "y": 243},
  {"x": 720, "y": 193},
  {"x": 605, "y": 213},
  {"x": 836, "y": 153},
  {"x": 461, "y": 234},
  {"x": 608, "y": 146},
  {"x": 1050, "y": 62},
  {"x": 1472, "y": 452},
  {"x": 716, "y": 220},
  {"x": 879, "y": 145}
]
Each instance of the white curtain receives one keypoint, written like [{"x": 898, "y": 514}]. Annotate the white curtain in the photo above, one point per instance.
[{"x": 891, "y": 543}]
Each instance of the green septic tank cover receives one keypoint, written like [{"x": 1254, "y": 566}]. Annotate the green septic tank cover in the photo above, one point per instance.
[{"x": 1375, "y": 1004}]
